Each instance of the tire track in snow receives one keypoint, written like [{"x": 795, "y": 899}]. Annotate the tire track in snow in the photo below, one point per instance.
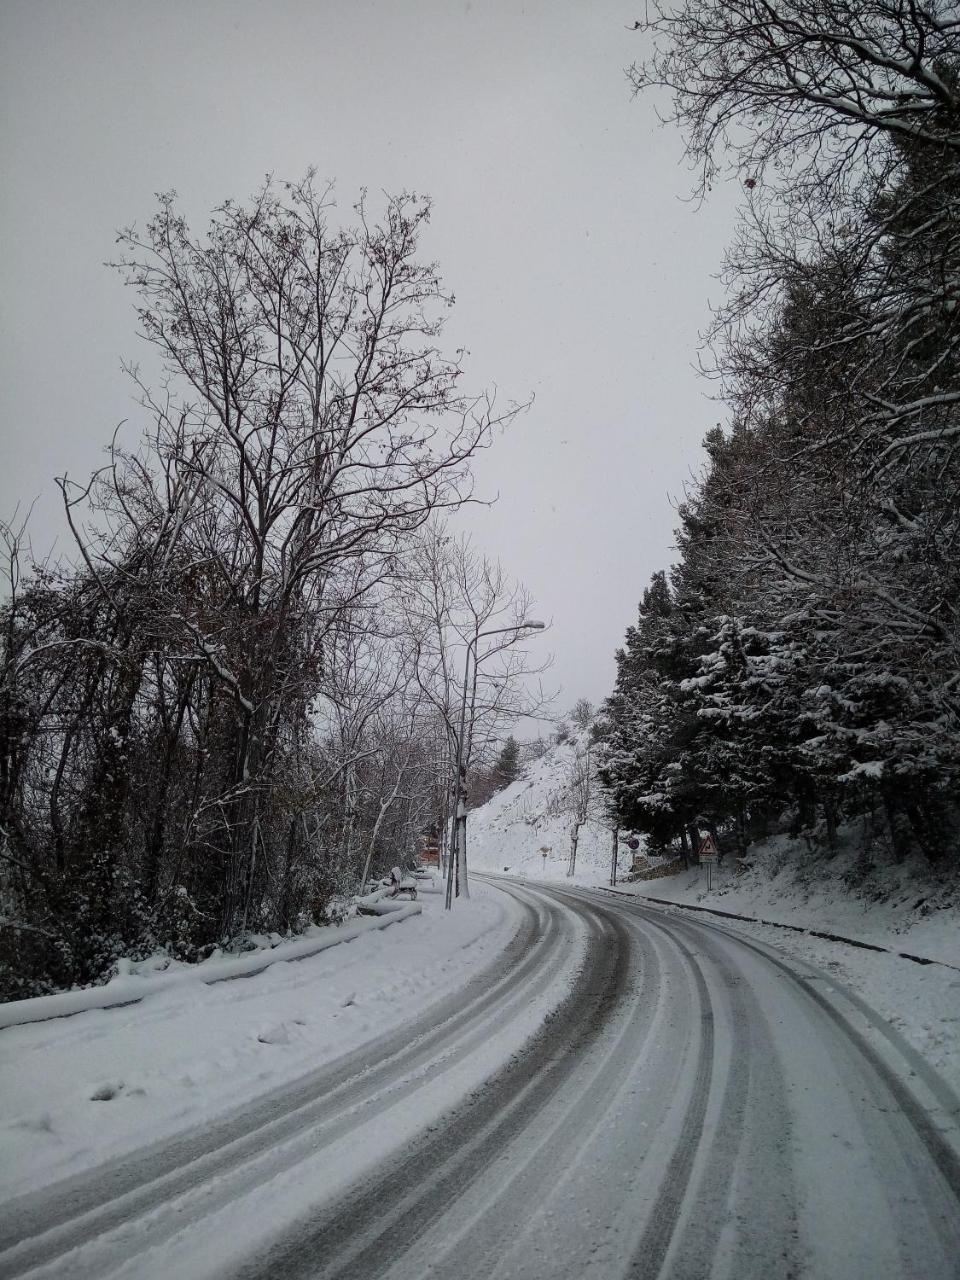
[
  {"x": 731, "y": 1155},
  {"x": 38, "y": 1228},
  {"x": 653, "y": 1245},
  {"x": 674, "y": 1242},
  {"x": 892, "y": 1097},
  {"x": 542, "y": 1159},
  {"x": 937, "y": 1184},
  {"x": 512, "y": 1215},
  {"x": 357, "y": 1238},
  {"x": 752, "y": 1105},
  {"x": 942, "y": 1154}
]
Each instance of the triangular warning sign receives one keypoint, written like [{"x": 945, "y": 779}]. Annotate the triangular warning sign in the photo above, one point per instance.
[{"x": 707, "y": 848}]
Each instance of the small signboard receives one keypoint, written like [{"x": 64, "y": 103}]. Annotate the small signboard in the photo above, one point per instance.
[
  {"x": 708, "y": 850},
  {"x": 430, "y": 856}
]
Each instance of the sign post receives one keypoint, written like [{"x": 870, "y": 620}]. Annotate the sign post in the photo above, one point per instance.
[
  {"x": 708, "y": 854},
  {"x": 633, "y": 844}
]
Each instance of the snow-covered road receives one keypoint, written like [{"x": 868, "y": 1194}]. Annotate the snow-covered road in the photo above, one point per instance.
[{"x": 622, "y": 1093}]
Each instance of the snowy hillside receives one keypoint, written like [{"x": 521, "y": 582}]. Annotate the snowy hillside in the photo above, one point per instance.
[
  {"x": 856, "y": 893},
  {"x": 892, "y": 909},
  {"x": 533, "y": 814}
]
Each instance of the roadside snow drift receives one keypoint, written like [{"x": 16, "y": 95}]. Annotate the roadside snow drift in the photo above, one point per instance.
[
  {"x": 79, "y": 1090},
  {"x": 893, "y": 907},
  {"x": 134, "y": 982}
]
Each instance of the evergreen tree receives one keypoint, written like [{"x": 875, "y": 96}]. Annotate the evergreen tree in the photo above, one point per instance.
[{"x": 507, "y": 767}]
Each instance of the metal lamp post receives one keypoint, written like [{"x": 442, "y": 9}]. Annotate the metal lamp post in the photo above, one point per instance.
[{"x": 458, "y": 844}]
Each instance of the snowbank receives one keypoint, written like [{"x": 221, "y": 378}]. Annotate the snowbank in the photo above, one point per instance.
[
  {"x": 901, "y": 909},
  {"x": 132, "y": 984},
  {"x": 77, "y": 1091}
]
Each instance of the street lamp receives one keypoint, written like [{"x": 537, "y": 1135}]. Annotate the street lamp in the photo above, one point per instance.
[{"x": 458, "y": 852}]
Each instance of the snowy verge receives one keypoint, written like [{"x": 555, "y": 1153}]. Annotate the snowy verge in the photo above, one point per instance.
[
  {"x": 922, "y": 1002},
  {"x": 897, "y": 908},
  {"x": 911, "y": 908},
  {"x": 129, "y": 987},
  {"x": 796, "y": 928},
  {"x": 77, "y": 1091}
]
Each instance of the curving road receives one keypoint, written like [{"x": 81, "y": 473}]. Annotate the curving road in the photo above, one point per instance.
[{"x": 627, "y": 1093}]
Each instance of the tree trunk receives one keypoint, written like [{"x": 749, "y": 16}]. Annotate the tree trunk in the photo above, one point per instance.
[
  {"x": 830, "y": 820},
  {"x": 156, "y": 835},
  {"x": 897, "y": 824},
  {"x": 283, "y": 902},
  {"x": 384, "y": 806},
  {"x": 694, "y": 843},
  {"x": 685, "y": 847},
  {"x": 574, "y": 840},
  {"x": 464, "y": 885},
  {"x": 741, "y": 831}
]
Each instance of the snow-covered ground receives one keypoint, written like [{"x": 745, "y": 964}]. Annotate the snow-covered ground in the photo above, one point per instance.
[
  {"x": 891, "y": 907},
  {"x": 80, "y": 1089},
  {"x": 631, "y": 1091},
  {"x": 136, "y": 979},
  {"x": 76, "y": 1091},
  {"x": 921, "y": 1001},
  {"x": 512, "y": 830}
]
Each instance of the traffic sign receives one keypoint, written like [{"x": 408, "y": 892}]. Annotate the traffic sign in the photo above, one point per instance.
[{"x": 708, "y": 850}]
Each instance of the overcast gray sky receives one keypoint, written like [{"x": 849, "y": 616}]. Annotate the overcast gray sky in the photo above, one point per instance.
[{"x": 581, "y": 273}]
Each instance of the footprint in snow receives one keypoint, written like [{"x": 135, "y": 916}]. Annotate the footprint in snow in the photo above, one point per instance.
[
  {"x": 107, "y": 1091},
  {"x": 279, "y": 1034}
]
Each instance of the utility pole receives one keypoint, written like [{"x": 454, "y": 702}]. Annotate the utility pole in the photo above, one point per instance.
[{"x": 457, "y": 858}]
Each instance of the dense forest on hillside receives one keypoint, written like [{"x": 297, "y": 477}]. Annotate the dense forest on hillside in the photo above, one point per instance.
[{"x": 803, "y": 654}]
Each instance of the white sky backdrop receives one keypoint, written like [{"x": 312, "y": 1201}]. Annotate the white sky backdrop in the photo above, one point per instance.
[{"x": 581, "y": 272}]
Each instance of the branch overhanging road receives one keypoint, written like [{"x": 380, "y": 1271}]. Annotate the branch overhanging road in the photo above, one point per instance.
[{"x": 670, "y": 1099}]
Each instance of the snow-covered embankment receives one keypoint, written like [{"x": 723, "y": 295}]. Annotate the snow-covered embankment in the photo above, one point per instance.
[
  {"x": 79, "y": 1090},
  {"x": 889, "y": 907}
]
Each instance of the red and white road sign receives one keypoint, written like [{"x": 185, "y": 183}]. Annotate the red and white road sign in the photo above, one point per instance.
[{"x": 708, "y": 850}]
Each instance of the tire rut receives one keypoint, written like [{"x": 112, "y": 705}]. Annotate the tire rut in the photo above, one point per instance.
[
  {"x": 753, "y": 1093},
  {"x": 649, "y": 1254},
  {"x": 940, "y": 1152},
  {"x": 38, "y": 1228},
  {"x": 892, "y": 1095},
  {"x": 352, "y": 1232}
]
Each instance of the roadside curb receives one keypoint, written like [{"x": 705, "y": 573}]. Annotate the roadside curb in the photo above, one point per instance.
[{"x": 777, "y": 924}]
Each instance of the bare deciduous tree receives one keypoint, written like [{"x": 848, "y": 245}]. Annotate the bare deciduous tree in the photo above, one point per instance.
[{"x": 173, "y": 766}]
